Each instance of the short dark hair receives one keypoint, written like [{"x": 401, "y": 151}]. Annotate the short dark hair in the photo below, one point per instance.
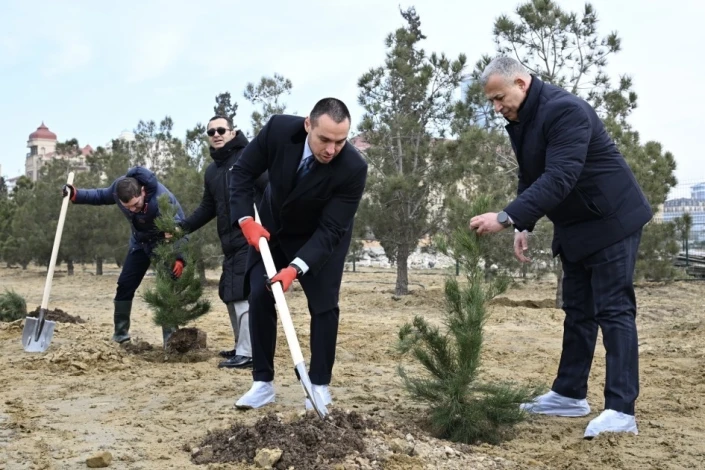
[
  {"x": 333, "y": 107},
  {"x": 218, "y": 116},
  {"x": 128, "y": 188}
]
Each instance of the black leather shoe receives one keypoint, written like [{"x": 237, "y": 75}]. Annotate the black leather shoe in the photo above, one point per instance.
[
  {"x": 227, "y": 354},
  {"x": 237, "y": 362}
]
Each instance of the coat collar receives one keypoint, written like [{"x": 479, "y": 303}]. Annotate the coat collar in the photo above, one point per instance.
[
  {"x": 531, "y": 101},
  {"x": 295, "y": 152}
]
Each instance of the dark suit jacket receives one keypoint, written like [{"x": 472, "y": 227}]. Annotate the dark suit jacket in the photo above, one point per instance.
[
  {"x": 311, "y": 220},
  {"x": 571, "y": 171}
]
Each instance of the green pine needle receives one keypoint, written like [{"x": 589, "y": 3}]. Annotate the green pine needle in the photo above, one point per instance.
[
  {"x": 462, "y": 408},
  {"x": 12, "y": 306},
  {"x": 174, "y": 302}
]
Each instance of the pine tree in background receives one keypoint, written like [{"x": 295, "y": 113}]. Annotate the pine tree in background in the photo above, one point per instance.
[
  {"x": 462, "y": 408},
  {"x": 12, "y": 306},
  {"x": 175, "y": 302}
]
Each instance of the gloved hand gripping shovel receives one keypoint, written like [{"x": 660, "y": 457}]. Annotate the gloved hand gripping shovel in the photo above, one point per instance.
[
  {"x": 288, "y": 325},
  {"x": 37, "y": 332}
]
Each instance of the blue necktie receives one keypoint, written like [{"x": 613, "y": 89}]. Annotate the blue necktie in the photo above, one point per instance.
[{"x": 305, "y": 168}]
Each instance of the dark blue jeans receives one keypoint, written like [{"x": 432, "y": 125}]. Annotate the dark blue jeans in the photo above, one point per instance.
[
  {"x": 133, "y": 270},
  {"x": 599, "y": 292}
]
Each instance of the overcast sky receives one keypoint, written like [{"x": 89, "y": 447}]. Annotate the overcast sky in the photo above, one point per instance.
[{"x": 93, "y": 69}]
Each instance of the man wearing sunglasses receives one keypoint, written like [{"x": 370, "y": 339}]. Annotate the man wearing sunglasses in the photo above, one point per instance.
[
  {"x": 226, "y": 145},
  {"x": 316, "y": 183},
  {"x": 136, "y": 195}
]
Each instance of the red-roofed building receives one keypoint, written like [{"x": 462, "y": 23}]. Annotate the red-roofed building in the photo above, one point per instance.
[{"x": 42, "y": 149}]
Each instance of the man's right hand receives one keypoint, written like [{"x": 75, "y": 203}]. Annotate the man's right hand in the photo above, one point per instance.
[
  {"x": 253, "y": 232},
  {"x": 521, "y": 244},
  {"x": 69, "y": 190}
]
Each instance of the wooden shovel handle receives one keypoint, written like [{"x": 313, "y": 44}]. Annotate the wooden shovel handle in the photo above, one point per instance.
[
  {"x": 282, "y": 307},
  {"x": 57, "y": 242}
]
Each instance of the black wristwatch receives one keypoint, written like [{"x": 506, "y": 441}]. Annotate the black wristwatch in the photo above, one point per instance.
[
  {"x": 299, "y": 271},
  {"x": 503, "y": 218}
]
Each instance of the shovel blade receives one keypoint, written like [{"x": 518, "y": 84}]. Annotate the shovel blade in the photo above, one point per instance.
[
  {"x": 308, "y": 389},
  {"x": 36, "y": 337}
]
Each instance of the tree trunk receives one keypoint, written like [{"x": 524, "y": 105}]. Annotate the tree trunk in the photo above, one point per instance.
[
  {"x": 402, "y": 287},
  {"x": 69, "y": 267},
  {"x": 559, "y": 286},
  {"x": 201, "y": 266},
  {"x": 99, "y": 266}
]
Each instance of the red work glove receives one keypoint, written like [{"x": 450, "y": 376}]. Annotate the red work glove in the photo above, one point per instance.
[
  {"x": 253, "y": 232},
  {"x": 178, "y": 268},
  {"x": 286, "y": 276}
]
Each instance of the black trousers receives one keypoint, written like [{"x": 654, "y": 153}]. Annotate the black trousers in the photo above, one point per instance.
[
  {"x": 599, "y": 292},
  {"x": 263, "y": 330},
  {"x": 133, "y": 270}
]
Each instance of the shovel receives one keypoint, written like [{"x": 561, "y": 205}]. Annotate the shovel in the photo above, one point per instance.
[
  {"x": 37, "y": 332},
  {"x": 288, "y": 325}
]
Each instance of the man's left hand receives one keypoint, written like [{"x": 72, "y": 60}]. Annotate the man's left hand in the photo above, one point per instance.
[
  {"x": 286, "y": 276},
  {"x": 486, "y": 223},
  {"x": 178, "y": 268}
]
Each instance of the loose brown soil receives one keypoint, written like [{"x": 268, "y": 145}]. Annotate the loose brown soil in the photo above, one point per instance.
[
  {"x": 186, "y": 339},
  {"x": 150, "y": 408},
  {"x": 57, "y": 315},
  {"x": 309, "y": 442}
]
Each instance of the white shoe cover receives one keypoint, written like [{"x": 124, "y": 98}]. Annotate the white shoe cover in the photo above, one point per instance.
[
  {"x": 260, "y": 394},
  {"x": 553, "y": 404},
  {"x": 611, "y": 421}
]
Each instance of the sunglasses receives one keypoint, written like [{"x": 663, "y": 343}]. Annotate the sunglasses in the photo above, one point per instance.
[{"x": 220, "y": 130}]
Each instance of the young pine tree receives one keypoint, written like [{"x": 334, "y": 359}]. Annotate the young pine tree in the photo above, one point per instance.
[
  {"x": 12, "y": 306},
  {"x": 461, "y": 407},
  {"x": 175, "y": 302}
]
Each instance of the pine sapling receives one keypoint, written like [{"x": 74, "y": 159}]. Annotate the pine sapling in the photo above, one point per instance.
[
  {"x": 12, "y": 306},
  {"x": 462, "y": 408},
  {"x": 174, "y": 301}
]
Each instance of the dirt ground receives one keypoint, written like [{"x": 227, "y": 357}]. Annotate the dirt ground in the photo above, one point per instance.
[{"x": 85, "y": 394}]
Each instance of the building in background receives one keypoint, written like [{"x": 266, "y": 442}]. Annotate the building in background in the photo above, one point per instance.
[
  {"x": 42, "y": 149},
  {"x": 694, "y": 205}
]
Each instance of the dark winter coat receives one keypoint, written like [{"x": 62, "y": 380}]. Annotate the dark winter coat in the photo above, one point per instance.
[
  {"x": 216, "y": 204},
  {"x": 145, "y": 234},
  {"x": 571, "y": 171},
  {"x": 311, "y": 220}
]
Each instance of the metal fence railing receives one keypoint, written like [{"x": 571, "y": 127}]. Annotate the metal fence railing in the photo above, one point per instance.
[{"x": 685, "y": 207}]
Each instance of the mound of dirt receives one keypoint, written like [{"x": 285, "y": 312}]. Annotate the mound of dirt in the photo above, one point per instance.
[
  {"x": 505, "y": 302},
  {"x": 57, "y": 315},
  {"x": 309, "y": 442},
  {"x": 136, "y": 346},
  {"x": 78, "y": 358},
  {"x": 186, "y": 339},
  {"x": 157, "y": 354}
]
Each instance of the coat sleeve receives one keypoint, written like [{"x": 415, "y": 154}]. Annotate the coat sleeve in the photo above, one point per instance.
[
  {"x": 179, "y": 218},
  {"x": 336, "y": 220},
  {"x": 253, "y": 162},
  {"x": 568, "y": 136},
  {"x": 204, "y": 213},
  {"x": 521, "y": 187},
  {"x": 260, "y": 186},
  {"x": 96, "y": 197}
]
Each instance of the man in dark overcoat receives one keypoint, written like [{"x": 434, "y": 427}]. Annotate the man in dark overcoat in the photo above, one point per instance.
[
  {"x": 316, "y": 181},
  {"x": 571, "y": 171}
]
